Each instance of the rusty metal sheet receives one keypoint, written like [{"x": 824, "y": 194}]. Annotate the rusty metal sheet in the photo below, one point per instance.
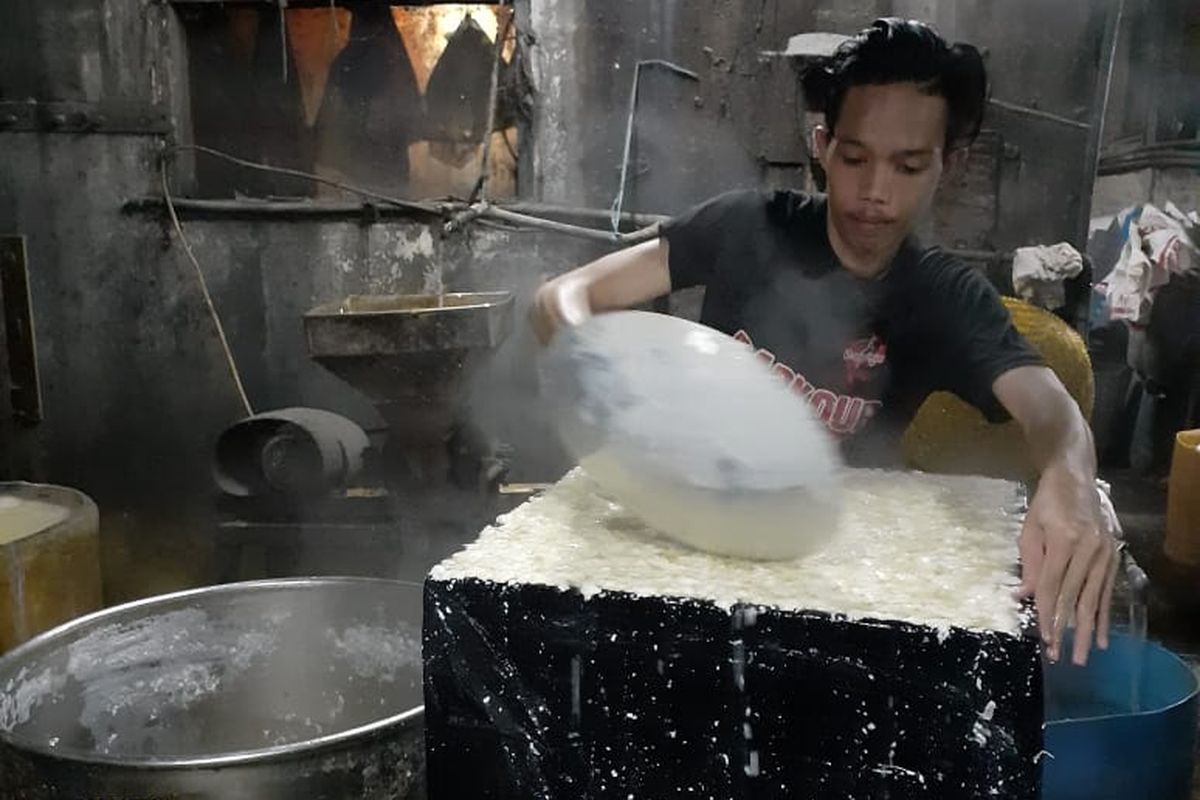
[{"x": 19, "y": 338}]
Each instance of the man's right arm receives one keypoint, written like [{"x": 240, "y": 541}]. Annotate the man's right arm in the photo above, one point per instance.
[{"x": 619, "y": 280}]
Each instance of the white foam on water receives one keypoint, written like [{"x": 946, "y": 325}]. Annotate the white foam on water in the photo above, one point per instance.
[
  {"x": 153, "y": 666},
  {"x": 23, "y": 694},
  {"x": 376, "y": 652}
]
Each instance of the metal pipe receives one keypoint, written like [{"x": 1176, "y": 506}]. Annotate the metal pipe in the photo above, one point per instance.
[
  {"x": 1122, "y": 166},
  {"x": 1037, "y": 112},
  {"x": 327, "y": 209},
  {"x": 460, "y": 215},
  {"x": 583, "y": 214},
  {"x": 619, "y": 200},
  {"x": 266, "y": 208},
  {"x": 1091, "y": 161},
  {"x": 296, "y": 173},
  {"x": 625, "y": 239},
  {"x": 464, "y": 212}
]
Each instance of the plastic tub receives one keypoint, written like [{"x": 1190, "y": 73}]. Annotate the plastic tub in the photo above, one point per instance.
[{"x": 1121, "y": 728}]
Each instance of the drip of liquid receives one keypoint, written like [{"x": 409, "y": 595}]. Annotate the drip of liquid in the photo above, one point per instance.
[
  {"x": 434, "y": 283},
  {"x": 1137, "y": 632},
  {"x": 1138, "y": 624},
  {"x": 743, "y": 617}
]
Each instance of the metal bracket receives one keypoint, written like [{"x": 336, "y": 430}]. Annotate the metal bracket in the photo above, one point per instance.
[
  {"x": 32, "y": 116},
  {"x": 16, "y": 309}
]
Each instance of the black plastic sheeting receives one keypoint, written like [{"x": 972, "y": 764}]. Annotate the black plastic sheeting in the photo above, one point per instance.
[{"x": 535, "y": 692}]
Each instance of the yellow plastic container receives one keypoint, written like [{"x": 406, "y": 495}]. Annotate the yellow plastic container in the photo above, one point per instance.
[
  {"x": 1183, "y": 501},
  {"x": 950, "y": 436},
  {"x": 49, "y": 559}
]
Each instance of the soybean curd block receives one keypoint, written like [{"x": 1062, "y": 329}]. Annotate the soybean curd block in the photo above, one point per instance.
[{"x": 573, "y": 652}]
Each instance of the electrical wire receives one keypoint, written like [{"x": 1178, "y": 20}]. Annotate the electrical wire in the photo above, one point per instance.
[
  {"x": 296, "y": 173},
  {"x": 208, "y": 301},
  {"x": 479, "y": 191}
]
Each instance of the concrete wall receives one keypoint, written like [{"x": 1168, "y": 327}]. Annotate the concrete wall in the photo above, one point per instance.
[
  {"x": 738, "y": 124},
  {"x": 108, "y": 316},
  {"x": 693, "y": 138},
  {"x": 1154, "y": 99}
]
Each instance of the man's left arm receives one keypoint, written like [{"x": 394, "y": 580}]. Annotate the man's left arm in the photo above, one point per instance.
[{"x": 1068, "y": 550}]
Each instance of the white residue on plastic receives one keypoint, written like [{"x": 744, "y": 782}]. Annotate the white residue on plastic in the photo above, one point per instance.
[
  {"x": 377, "y": 652},
  {"x": 893, "y": 769},
  {"x": 981, "y": 733},
  {"x": 927, "y": 549},
  {"x": 1042, "y": 754}
]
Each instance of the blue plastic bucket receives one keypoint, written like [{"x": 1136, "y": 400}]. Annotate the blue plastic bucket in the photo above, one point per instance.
[{"x": 1121, "y": 728}]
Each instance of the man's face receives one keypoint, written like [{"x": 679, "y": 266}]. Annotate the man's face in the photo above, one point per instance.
[{"x": 883, "y": 163}]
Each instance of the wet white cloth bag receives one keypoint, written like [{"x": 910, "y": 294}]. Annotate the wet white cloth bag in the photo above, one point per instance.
[{"x": 687, "y": 429}]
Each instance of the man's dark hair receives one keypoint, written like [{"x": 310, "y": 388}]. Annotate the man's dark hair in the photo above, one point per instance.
[{"x": 903, "y": 51}]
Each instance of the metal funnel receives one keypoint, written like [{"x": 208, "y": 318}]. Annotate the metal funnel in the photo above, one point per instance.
[{"x": 410, "y": 355}]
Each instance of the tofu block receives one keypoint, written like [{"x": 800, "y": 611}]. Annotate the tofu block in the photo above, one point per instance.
[{"x": 572, "y": 652}]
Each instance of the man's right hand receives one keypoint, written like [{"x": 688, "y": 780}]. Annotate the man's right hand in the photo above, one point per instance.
[
  {"x": 619, "y": 280},
  {"x": 558, "y": 302}
]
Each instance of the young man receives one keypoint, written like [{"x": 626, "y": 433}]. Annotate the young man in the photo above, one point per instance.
[{"x": 863, "y": 321}]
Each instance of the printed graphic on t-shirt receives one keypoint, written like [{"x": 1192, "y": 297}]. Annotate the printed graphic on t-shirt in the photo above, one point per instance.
[
  {"x": 861, "y": 357},
  {"x": 842, "y": 414}
]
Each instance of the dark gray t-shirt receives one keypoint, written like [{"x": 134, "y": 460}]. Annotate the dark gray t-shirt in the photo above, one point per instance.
[{"x": 864, "y": 353}]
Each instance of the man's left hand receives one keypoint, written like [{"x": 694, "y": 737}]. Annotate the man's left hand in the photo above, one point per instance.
[{"x": 1069, "y": 561}]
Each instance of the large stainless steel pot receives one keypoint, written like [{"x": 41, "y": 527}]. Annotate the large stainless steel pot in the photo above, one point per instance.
[{"x": 307, "y": 688}]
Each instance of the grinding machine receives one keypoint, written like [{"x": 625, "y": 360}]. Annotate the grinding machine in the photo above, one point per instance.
[{"x": 305, "y": 491}]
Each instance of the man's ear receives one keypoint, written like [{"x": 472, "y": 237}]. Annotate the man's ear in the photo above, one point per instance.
[{"x": 820, "y": 144}]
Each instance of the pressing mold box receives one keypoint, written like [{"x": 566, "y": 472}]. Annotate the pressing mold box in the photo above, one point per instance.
[{"x": 572, "y": 652}]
